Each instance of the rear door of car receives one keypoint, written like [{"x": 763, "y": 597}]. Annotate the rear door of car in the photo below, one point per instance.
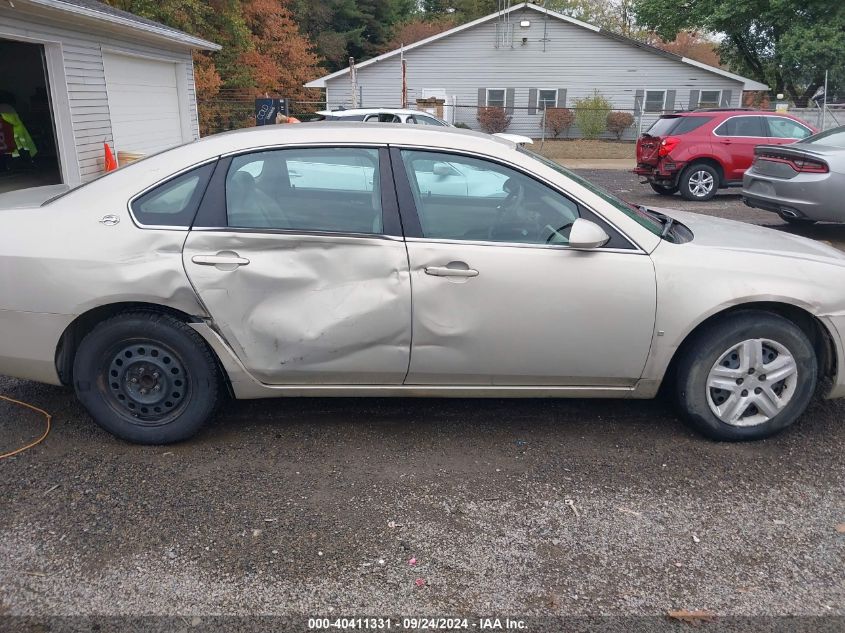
[
  {"x": 305, "y": 279},
  {"x": 735, "y": 139}
]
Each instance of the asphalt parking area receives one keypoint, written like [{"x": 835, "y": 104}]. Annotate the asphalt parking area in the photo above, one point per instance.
[{"x": 315, "y": 507}]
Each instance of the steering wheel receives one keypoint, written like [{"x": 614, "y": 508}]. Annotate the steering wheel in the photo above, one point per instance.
[{"x": 563, "y": 231}]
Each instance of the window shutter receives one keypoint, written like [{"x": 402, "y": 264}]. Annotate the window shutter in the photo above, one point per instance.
[
  {"x": 532, "y": 101},
  {"x": 726, "y": 99},
  {"x": 509, "y": 95},
  {"x": 670, "y": 101},
  {"x": 561, "y": 97},
  {"x": 482, "y": 97},
  {"x": 693, "y": 99},
  {"x": 638, "y": 102}
]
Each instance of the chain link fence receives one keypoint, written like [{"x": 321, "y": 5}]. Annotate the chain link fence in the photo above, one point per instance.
[{"x": 233, "y": 109}]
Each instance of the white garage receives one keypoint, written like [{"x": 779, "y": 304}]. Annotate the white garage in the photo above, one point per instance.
[
  {"x": 145, "y": 103},
  {"x": 81, "y": 73}
]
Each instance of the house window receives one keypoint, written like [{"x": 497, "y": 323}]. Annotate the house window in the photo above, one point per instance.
[
  {"x": 710, "y": 99},
  {"x": 496, "y": 98},
  {"x": 546, "y": 99},
  {"x": 655, "y": 100}
]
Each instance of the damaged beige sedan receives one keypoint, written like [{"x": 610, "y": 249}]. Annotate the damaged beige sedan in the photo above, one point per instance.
[{"x": 365, "y": 260}]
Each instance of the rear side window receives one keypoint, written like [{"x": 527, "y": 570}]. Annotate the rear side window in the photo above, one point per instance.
[
  {"x": 664, "y": 126},
  {"x": 690, "y": 123},
  {"x": 334, "y": 189},
  {"x": 742, "y": 126},
  {"x": 175, "y": 202}
]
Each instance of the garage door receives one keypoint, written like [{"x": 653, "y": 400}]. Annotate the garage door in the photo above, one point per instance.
[{"x": 143, "y": 103}]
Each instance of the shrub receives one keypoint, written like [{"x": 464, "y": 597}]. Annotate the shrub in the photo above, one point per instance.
[
  {"x": 591, "y": 114},
  {"x": 462, "y": 125},
  {"x": 558, "y": 120},
  {"x": 493, "y": 119},
  {"x": 618, "y": 122}
]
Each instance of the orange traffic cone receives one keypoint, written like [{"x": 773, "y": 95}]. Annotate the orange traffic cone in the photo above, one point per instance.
[{"x": 110, "y": 162}]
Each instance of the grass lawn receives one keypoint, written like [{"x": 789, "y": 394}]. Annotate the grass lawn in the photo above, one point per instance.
[{"x": 585, "y": 149}]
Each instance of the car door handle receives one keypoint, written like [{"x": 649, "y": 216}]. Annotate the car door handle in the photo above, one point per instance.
[
  {"x": 726, "y": 142},
  {"x": 443, "y": 271},
  {"x": 219, "y": 259}
]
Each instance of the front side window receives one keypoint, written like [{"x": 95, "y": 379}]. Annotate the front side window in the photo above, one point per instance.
[
  {"x": 655, "y": 100},
  {"x": 175, "y": 202},
  {"x": 496, "y": 98},
  {"x": 780, "y": 127},
  {"x": 747, "y": 126},
  {"x": 546, "y": 99},
  {"x": 465, "y": 198},
  {"x": 710, "y": 99},
  {"x": 332, "y": 189}
]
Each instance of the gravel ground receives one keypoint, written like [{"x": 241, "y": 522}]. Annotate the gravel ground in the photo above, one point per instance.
[{"x": 314, "y": 507}]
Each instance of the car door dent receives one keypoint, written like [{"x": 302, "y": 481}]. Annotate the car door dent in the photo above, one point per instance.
[{"x": 310, "y": 309}]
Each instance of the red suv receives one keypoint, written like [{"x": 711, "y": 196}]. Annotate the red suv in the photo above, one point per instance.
[{"x": 701, "y": 151}]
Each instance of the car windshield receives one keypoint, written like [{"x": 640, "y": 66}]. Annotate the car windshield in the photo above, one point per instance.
[
  {"x": 833, "y": 138},
  {"x": 638, "y": 214}
]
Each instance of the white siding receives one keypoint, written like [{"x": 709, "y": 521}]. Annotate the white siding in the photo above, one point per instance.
[
  {"x": 575, "y": 59},
  {"x": 82, "y": 48}
]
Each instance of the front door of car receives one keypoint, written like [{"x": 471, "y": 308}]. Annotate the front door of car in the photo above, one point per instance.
[
  {"x": 736, "y": 138},
  {"x": 500, "y": 298},
  {"x": 298, "y": 256}
]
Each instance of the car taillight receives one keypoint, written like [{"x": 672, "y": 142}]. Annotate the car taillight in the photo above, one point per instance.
[
  {"x": 810, "y": 166},
  {"x": 800, "y": 164},
  {"x": 667, "y": 145}
]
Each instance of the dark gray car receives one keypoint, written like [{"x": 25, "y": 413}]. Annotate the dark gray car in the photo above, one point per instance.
[{"x": 803, "y": 182}]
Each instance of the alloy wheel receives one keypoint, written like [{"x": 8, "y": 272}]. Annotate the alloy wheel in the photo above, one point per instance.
[{"x": 700, "y": 183}]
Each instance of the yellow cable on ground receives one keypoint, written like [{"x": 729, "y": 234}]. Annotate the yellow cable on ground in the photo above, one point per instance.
[{"x": 40, "y": 439}]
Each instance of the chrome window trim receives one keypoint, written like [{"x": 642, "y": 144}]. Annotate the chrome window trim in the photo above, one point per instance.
[
  {"x": 298, "y": 232},
  {"x": 520, "y": 169},
  {"x": 738, "y": 116},
  {"x": 554, "y": 247},
  {"x": 275, "y": 146},
  {"x": 171, "y": 176}
]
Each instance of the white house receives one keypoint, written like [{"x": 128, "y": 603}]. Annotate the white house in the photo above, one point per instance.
[
  {"x": 80, "y": 73},
  {"x": 526, "y": 58}
]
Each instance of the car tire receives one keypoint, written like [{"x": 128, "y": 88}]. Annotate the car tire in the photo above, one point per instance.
[
  {"x": 664, "y": 190},
  {"x": 147, "y": 378},
  {"x": 699, "y": 182},
  {"x": 715, "y": 356}
]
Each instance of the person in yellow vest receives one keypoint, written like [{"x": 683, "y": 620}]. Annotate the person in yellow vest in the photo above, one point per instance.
[{"x": 21, "y": 135}]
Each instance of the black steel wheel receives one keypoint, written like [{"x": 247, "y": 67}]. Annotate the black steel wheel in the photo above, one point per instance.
[
  {"x": 664, "y": 190},
  {"x": 146, "y": 377}
]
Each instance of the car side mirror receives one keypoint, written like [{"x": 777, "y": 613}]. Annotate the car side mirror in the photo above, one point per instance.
[
  {"x": 586, "y": 234},
  {"x": 444, "y": 169}
]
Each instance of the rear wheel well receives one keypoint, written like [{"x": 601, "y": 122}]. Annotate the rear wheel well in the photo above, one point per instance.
[
  {"x": 715, "y": 164},
  {"x": 809, "y": 324},
  {"x": 84, "y": 323}
]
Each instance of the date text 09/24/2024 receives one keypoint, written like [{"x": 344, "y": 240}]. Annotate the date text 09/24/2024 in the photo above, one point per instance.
[{"x": 417, "y": 624}]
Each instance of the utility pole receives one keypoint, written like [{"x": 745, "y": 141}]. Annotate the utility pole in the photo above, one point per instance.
[
  {"x": 353, "y": 78},
  {"x": 824, "y": 106}
]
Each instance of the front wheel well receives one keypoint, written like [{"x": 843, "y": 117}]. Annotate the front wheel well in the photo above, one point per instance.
[
  {"x": 807, "y": 322},
  {"x": 84, "y": 323}
]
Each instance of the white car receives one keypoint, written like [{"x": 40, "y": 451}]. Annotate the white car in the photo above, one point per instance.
[
  {"x": 339, "y": 259},
  {"x": 383, "y": 115}
]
